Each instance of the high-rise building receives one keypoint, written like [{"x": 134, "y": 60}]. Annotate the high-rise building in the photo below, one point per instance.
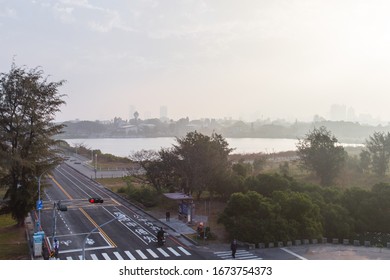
[
  {"x": 131, "y": 112},
  {"x": 351, "y": 115},
  {"x": 338, "y": 112},
  {"x": 163, "y": 113}
]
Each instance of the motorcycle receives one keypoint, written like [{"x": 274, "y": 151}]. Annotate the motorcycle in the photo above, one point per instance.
[
  {"x": 160, "y": 237},
  {"x": 160, "y": 241}
]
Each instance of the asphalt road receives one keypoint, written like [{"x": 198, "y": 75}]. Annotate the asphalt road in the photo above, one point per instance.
[{"x": 129, "y": 233}]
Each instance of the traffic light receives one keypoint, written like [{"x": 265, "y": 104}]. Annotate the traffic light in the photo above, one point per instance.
[
  {"x": 61, "y": 207},
  {"x": 95, "y": 200}
]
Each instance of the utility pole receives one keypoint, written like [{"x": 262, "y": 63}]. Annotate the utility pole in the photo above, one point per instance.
[
  {"x": 95, "y": 164},
  {"x": 39, "y": 202},
  {"x": 57, "y": 206},
  {"x": 96, "y": 228}
]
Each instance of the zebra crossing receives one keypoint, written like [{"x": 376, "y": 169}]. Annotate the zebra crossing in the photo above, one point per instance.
[
  {"x": 138, "y": 254},
  {"x": 240, "y": 255}
]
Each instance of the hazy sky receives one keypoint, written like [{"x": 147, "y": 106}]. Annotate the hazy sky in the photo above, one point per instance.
[{"x": 211, "y": 58}]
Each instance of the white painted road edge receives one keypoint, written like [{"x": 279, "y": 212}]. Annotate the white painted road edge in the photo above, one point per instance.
[{"x": 292, "y": 253}]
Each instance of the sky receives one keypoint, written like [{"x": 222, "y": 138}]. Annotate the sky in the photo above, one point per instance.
[{"x": 247, "y": 59}]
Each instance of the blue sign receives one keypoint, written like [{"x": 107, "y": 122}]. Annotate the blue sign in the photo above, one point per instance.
[
  {"x": 39, "y": 205},
  {"x": 184, "y": 208}
]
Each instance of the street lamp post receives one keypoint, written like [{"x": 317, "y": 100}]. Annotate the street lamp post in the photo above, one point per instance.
[
  {"x": 39, "y": 204},
  {"x": 95, "y": 164}
]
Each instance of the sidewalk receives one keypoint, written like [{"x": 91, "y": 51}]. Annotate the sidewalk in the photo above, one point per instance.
[{"x": 81, "y": 164}]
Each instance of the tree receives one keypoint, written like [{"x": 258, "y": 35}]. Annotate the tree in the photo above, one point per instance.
[
  {"x": 365, "y": 160},
  {"x": 159, "y": 168},
  {"x": 248, "y": 217},
  {"x": 337, "y": 221},
  {"x": 203, "y": 161},
  {"x": 197, "y": 163},
  {"x": 28, "y": 103},
  {"x": 319, "y": 152},
  {"x": 378, "y": 147},
  {"x": 302, "y": 214},
  {"x": 266, "y": 184}
]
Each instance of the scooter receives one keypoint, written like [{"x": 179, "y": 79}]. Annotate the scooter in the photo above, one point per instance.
[{"x": 160, "y": 241}]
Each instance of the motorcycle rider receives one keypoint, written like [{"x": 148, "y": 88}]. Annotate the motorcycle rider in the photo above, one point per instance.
[{"x": 160, "y": 236}]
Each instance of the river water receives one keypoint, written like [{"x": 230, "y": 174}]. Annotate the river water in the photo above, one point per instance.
[{"x": 124, "y": 147}]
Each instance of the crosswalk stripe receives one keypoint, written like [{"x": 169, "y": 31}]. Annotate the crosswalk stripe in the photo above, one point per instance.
[
  {"x": 154, "y": 255},
  {"x": 118, "y": 256},
  {"x": 106, "y": 256},
  {"x": 245, "y": 257},
  {"x": 173, "y": 251},
  {"x": 184, "y": 251},
  {"x": 130, "y": 255},
  {"x": 229, "y": 252},
  {"x": 142, "y": 255},
  {"x": 244, "y": 254},
  {"x": 165, "y": 254},
  {"x": 240, "y": 255}
]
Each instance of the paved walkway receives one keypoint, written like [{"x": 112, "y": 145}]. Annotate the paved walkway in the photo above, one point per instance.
[{"x": 82, "y": 164}]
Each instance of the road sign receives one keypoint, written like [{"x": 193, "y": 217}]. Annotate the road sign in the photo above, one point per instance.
[{"x": 39, "y": 205}]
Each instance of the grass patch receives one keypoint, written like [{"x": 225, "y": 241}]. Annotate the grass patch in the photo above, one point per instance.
[
  {"x": 13, "y": 243},
  {"x": 113, "y": 184}
]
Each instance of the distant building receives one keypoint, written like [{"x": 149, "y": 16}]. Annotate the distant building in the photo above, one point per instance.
[
  {"x": 164, "y": 113},
  {"x": 338, "y": 112},
  {"x": 132, "y": 110},
  {"x": 351, "y": 115}
]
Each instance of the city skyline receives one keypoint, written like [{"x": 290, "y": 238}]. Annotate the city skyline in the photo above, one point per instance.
[
  {"x": 205, "y": 59},
  {"x": 337, "y": 112}
]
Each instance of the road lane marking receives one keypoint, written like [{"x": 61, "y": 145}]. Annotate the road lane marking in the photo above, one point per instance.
[
  {"x": 142, "y": 255},
  {"x": 173, "y": 251},
  {"x": 292, "y": 253},
  {"x": 240, "y": 255},
  {"x": 165, "y": 254},
  {"x": 130, "y": 255},
  {"x": 105, "y": 236},
  {"x": 106, "y": 256},
  {"x": 93, "y": 256},
  {"x": 87, "y": 249},
  {"x": 118, "y": 256},
  {"x": 134, "y": 226},
  {"x": 184, "y": 251},
  {"x": 61, "y": 188},
  {"x": 79, "y": 182},
  {"x": 154, "y": 255}
]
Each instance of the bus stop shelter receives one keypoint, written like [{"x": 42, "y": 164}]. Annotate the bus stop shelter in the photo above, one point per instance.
[{"x": 185, "y": 203}]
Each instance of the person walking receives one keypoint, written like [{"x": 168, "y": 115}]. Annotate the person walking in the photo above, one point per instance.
[
  {"x": 233, "y": 247},
  {"x": 56, "y": 246},
  {"x": 168, "y": 216}
]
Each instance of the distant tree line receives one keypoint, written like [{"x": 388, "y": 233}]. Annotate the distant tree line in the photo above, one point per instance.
[
  {"x": 348, "y": 132},
  {"x": 278, "y": 208}
]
